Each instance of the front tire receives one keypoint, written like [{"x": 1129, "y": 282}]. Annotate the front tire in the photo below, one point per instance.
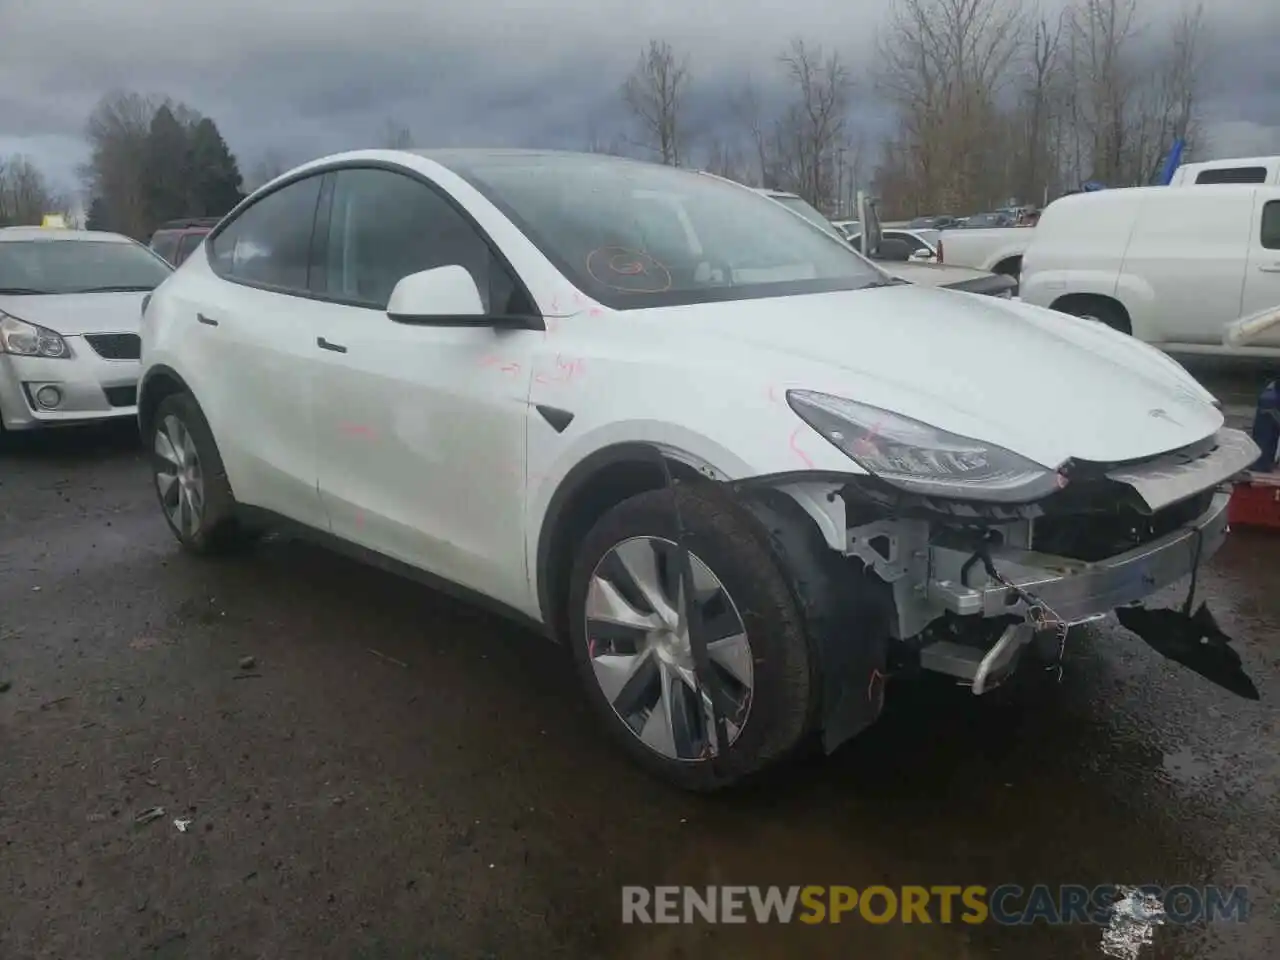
[
  {"x": 190, "y": 480},
  {"x": 631, "y": 648}
]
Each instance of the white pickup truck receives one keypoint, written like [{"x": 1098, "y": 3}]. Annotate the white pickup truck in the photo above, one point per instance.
[
  {"x": 1001, "y": 249},
  {"x": 1171, "y": 267},
  {"x": 1238, "y": 170},
  {"x": 993, "y": 249}
]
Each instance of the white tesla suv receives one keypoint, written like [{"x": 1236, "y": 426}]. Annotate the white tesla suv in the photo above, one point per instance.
[{"x": 745, "y": 474}]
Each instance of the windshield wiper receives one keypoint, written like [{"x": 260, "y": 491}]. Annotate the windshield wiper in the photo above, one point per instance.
[
  {"x": 129, "y": 288},
  {"x": 889, "y": 282},
  {"x": 23, "y": 292}
]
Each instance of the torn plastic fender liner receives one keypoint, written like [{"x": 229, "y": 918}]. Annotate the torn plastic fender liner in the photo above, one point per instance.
[{"x": 847, "y": 616}]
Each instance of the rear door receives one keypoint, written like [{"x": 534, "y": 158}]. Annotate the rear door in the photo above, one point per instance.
[
  {"x": 1262, "y": 278},
  {"x": 1184, "y": 270},
  {"x": 262, "y": 321}
]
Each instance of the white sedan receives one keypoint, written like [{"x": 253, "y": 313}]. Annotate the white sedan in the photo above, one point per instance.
[
  {"x": 548, "y": 380},
  {"x": 70, "y": 305}
]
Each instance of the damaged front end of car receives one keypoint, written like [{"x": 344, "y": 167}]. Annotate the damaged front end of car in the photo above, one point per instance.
[{"x": 986, "y": 553}]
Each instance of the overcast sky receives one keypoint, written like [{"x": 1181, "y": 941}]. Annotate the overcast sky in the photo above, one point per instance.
[{"x": 307, "y": 77}]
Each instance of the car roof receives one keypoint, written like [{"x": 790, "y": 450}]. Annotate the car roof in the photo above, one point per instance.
[{"x": 12, "y": 234}]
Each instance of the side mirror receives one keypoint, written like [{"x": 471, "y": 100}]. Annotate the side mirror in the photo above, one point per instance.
[
  {"x": 895, "y": 250},
  {"x": 922, "y": 256},
  {"x": 448, "y": 297}
]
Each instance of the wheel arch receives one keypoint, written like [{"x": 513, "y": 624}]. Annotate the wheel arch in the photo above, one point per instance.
[
  {"x": 594, "y": 485},
  {"x": 1084, "y": 300},
  {"x": 1009, "y": 266},
  {"x": 157, "y": 383}
]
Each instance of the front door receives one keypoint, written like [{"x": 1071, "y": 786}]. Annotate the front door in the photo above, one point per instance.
[
  {"x": 420, "y": 429},
  {"x": 1262, "y": 279}
]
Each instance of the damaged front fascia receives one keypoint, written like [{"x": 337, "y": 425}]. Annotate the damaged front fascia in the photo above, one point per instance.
[{"x": 892, "y": 531}]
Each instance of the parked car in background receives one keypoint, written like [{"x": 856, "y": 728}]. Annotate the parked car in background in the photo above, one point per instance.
[
  {"x": 70, "y": 302},
  {"x": 742, "y": 474},
  {"x": 1171, "y": 267},
  {"x": 986, "y": 221},
  {"x": 1240, "y": 170},
  {"x": 895, "y": 255},
  {"x": 177, "y": 239},
  {"x": 932, "y": 223},
  {"x": 922, "y": 244},
  {"x": 848, "y": 227},
  {"x": 997, "y": 249}
]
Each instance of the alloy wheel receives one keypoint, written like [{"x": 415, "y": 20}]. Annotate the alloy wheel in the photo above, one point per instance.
[
  {"x": 637, "y": 629},
  {"x": 179, "y": 478}
]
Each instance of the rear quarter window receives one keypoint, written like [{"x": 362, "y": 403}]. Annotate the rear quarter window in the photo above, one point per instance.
[
  {"x": 165, "y": 243},
  {"x": 1271, "y": 225},
  {"x": 1233, "y": 175}
]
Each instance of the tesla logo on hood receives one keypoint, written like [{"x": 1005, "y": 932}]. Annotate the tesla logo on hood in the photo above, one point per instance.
[{"x": 1160, "y": 414}]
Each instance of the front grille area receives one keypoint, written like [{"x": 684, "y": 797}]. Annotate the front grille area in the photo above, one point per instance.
[
  {"x": 1096, "y": 536},
  {"x": 115, "y": 346},
  {"x": 121, "y": 396}
]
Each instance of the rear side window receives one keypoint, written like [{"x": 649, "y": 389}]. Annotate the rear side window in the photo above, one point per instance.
[
  {"x": 1233, "y": 175},
  {"x": 187, "y": 245},
  {"x": 1271, "y": 225},
  {"x": 269, "y": 244},
  {"x": 165, "y": 243}
]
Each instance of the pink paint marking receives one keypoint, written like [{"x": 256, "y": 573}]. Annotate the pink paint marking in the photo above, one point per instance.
[
  {"x": 359, "y": 520},
  {"x": 795, "y": 434},
  {"x": 357, "y": 430},
  {"x": 489, "y": 360},
  {"x": 595, "y": 312},
  {"x": 510, "y": 368}
]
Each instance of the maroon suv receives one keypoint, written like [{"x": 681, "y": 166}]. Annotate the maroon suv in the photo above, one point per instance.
[{"x": 176, "y": 239}]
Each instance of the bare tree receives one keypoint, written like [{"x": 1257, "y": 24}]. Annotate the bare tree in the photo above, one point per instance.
[
  {"x": 812, "y": 130},
  {"x": 25, "y": 194},
  {"x": 947, "y": 64},
  {"x": 655, "y": 93},
  {"x": 749, "y": 110},
  {"x": 118, "y": 131},
  {"x": 725, "y": 159},
  {"x": 596, "y": 143},
  {"x": 396, "y": 136}
]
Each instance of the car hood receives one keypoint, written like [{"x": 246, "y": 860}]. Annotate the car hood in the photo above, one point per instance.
[
  {"x": 1048, "y": 386},
  {"x": 932, "y": 274},
  {"x": 74, "y": 313}
]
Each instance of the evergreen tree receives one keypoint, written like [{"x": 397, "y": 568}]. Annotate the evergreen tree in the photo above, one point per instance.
[
  {"x": 97, "y": 217},
  {"x": 215, "y": 182},
  {"x": 167, "y": 169}
]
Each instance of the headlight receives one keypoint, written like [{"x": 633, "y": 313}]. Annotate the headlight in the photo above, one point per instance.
[
  {"x": 923, "y": 459},
  {"x": 28, "y": 340}
]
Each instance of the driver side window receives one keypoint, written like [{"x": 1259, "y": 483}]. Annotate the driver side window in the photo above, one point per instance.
[{"x": 384, "y": 226}]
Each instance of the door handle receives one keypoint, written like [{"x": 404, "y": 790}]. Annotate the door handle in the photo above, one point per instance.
[
  {"x": 1269, "y": 267},
  {"x": 324, "y": 344},
  {"x": 207, "y": 321}
]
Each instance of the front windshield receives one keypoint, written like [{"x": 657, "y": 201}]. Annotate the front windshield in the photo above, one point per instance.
[
  {"x": 636, "y": 234},
  {"x": 78, "y": 266},
  {"x": 810, "y": 213}
]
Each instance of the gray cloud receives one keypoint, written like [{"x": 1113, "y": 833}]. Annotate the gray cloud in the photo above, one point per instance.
[{"x": 305, "y": 77}]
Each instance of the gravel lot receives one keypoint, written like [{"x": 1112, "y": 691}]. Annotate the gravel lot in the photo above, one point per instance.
[{"x": 372, "y": 771}]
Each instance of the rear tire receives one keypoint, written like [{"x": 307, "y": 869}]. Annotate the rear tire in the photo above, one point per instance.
[
  {"x": 1100, "y": 311},
  {"x": 768, "y": 679},
  {"x": 190, "y": 480}
]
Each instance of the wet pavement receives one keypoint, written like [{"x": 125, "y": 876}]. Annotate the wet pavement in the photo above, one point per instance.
[{"x": 397, "y": 775}]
